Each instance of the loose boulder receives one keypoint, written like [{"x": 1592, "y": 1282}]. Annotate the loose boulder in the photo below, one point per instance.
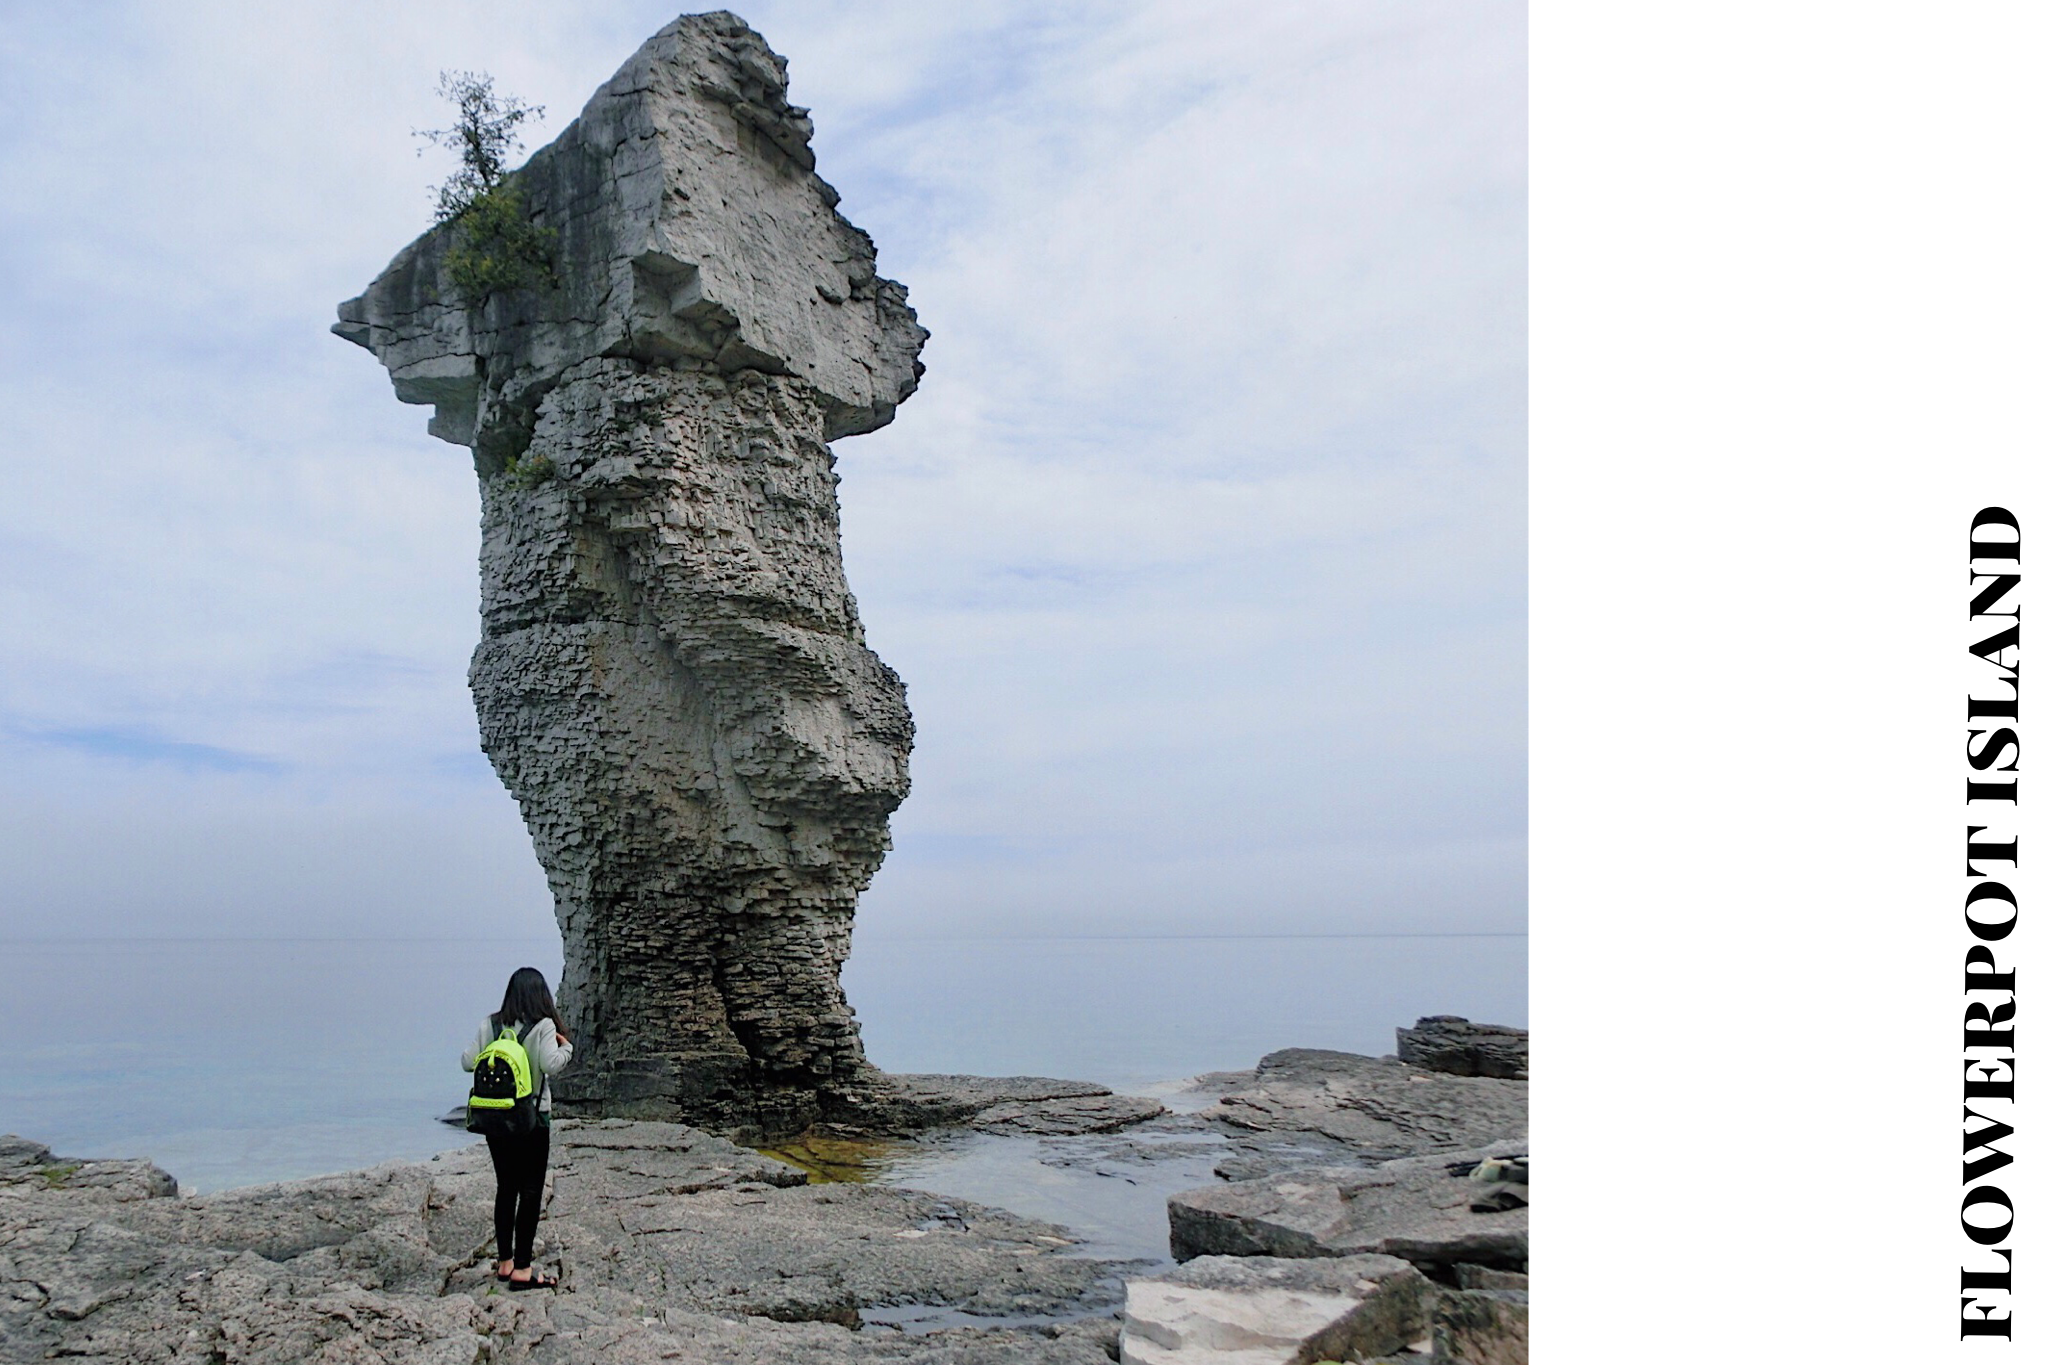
[
  {"x": 1262, "y": 1311},
  {"x": 1481, "y": 1327},
  {"x": 1449, "y": 1043}
]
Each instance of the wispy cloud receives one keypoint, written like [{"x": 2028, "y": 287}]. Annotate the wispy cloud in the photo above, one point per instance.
[{"x": 132, "y": 745}]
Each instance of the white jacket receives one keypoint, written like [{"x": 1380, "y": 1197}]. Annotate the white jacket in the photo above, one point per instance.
[{"x": 546, "y": 1053}]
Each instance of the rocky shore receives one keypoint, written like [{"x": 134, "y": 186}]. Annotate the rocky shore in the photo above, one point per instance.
[{"x": 1362, "y": 1209}]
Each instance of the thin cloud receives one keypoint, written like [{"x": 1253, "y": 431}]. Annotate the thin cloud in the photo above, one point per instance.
[{"x": 139, "y": 746}]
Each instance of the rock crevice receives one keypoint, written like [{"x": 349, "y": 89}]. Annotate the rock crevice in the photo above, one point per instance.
[{"x": 672, "y": 680}]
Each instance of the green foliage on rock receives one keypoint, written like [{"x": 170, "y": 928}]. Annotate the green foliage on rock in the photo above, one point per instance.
[
  {"x": 497, "y": 247},
  {"x": 530, "y": 471}
]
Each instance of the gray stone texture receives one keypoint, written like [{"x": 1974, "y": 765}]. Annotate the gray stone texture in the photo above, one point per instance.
[
  {"x": 26, "y": 1165},
  {"x": 671, "y": 1244},
  {"x": 1486, "y": 1277},
  {"x": 674, "y": 1244},
  {"x": 1226, "y": 1310},
  {"x": 1481, "y": 1327},
  {"x": 672, "y": 679},
  {"x": 911, "y": 1102},
  {"x": 1449, "y": 1042},
  {"x": 1374, "y": 1108},
  {"x": 1417, "y": 1208}
]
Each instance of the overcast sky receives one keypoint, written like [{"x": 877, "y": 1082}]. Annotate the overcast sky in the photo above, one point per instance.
[{"x": 1201, "y": 548}]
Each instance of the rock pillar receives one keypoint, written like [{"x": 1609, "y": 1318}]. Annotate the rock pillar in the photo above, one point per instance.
[{"x": 672, "y": 679}]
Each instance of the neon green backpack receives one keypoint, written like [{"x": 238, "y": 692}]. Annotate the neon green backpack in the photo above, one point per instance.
[{"x": 502, "y": 1101}]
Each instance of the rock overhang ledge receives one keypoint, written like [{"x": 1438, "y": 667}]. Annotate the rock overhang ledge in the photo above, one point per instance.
[{"x": 692, "y": 227}]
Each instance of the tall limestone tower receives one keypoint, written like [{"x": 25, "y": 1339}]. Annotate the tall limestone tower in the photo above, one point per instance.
[{"x": 672, "y": 679}]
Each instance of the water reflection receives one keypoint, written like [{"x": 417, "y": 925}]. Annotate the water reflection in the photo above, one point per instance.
[
  {"x": 835, "y": 1160},
  {"x": 1109, "y": 1190}
]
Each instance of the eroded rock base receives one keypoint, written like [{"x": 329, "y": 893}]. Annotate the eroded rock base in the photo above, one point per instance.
[{"x": 706, "y": 835}]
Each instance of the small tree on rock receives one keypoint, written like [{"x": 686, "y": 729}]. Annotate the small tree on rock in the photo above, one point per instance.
[{"x": 497, "y": 245}]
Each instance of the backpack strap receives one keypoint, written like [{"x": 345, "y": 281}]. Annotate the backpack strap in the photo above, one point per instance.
[{"x": 540, "y": 1077}]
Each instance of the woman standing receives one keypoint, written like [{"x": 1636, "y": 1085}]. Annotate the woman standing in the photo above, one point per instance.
[{"x": 521, "y": 1161}]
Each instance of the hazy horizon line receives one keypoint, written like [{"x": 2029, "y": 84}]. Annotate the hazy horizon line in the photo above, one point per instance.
[{"x": 892, "y": 938}]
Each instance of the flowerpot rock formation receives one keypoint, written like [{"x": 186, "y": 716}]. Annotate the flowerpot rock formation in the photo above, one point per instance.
[{"x": 672, "y": 679}]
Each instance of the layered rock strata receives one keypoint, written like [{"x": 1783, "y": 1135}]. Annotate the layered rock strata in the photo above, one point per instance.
[
  {"x": 1452, "y": 1043},
  {"x": 1428, "y": 1210},
  {"x": 672, "y": 679},
  {"x": 1344, "y": 1155},
  {"x": 1371, "y": 1108}
]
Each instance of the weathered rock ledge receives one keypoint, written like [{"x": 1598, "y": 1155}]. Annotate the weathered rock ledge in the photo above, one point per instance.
[
  {"x": 1450, "y": 1042},
  {"x": 672, "y": 1245},
  {"x": 1367, "y": 1208},
  {"x": 1371, "y": 1209},
  {"x": 1005, "y": 1104}
]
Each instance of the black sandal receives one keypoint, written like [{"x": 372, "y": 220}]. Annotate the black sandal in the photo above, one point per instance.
[{"x": 537, "y": 1282}]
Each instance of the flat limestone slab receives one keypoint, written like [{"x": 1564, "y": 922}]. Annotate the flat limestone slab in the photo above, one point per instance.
[
  {"x": 26, "y": 1165},
  {"x": 1378, "y": 1108},
  {"x": 671, "y": 1244},
  {"x": 1264, "y": 1311},
  {"x": 1418, "y": 1208},
  {"x": 1038, "y": 1105}
]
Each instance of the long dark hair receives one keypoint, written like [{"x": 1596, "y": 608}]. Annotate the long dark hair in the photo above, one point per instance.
[{"x": 527, "y": 1002}]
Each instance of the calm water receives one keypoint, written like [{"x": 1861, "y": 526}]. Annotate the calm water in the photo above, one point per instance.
[{"x": 237, "y": 1062}]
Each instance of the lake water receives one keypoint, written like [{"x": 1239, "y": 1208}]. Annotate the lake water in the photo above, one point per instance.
[{"x": 235, "y": 1062}]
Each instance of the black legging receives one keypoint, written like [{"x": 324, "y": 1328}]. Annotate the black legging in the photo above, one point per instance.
[{"x": 522, "y": 1167}]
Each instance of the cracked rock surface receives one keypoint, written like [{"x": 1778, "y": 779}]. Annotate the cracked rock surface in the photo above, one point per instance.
[
  {"x": 1450, "y": 1042},
  {"x": 1368, "y": 1108},
  {"x": 672, "y": 1244},
  {"x": 1426, "y": 1210},
  {"x": 1336, "y": 1154},
  {"x": 909, "y": 1102},
  {"x": 672, "y": 680}
]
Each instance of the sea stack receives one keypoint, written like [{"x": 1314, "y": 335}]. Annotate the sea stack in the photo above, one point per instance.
[{"x": 672, "y": 679}]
